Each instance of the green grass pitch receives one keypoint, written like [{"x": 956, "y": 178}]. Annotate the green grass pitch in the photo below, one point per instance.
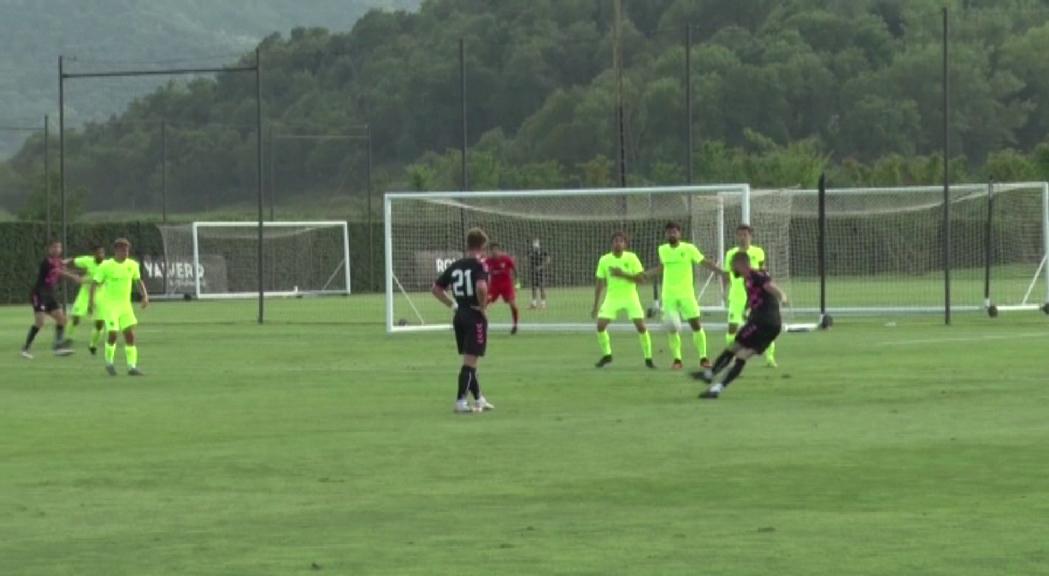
[{"x": 316, "y": 444}]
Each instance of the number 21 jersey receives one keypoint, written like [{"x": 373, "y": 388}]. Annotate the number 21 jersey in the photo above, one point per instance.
[{"x": 461, "y": 280}]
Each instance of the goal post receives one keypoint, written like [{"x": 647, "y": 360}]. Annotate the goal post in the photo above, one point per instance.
[
  {"x": 424, "y": 232},
  {"x": 556, "y": 237},
  {"x": 219, "y": 260},
  {"x": 884, "y": 247}
]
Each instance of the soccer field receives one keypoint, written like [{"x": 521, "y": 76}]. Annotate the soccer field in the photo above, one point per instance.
[{"x": 317, "y": 444}]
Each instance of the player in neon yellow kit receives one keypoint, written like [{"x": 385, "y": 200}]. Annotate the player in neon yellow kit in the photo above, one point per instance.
[
  {"x": 677, "y": 262},
  {"x": 115, "y": 279},
  {"x": 618, "y": 274},
  {"x": 737, "y": 292},
  {"x": 82, "y": 305}
]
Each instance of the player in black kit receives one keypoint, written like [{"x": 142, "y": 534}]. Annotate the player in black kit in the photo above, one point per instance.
[
  {"x": 467, "y": 282},
  {"x": 761, "y": 329},
  {"x": 45, "y": 303}
]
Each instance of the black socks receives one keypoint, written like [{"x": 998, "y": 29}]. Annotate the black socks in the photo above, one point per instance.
[
  {"x": 734, "y": 373},
  {"x": 468, "y": 383},
  {"x": 33, "y": 330}
]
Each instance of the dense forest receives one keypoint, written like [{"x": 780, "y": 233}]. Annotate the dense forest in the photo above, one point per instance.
[{"x": 782, "y": 90}]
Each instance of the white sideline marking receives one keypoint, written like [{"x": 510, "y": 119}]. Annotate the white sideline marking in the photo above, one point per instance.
[{"x": 1015, "y": 336}]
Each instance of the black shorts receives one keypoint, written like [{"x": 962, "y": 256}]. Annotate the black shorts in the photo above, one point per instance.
[
  {"x": 471, "y": 332},
  {"x": 44, "y": 302},
  {"x": 758, "y": 337}
]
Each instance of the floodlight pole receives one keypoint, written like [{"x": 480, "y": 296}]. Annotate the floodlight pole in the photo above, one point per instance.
[
  {"x": 371, "y": 215},
  {"x": 47, "y": 174},
  {"x": 258, "y": 172},
  {"x": 164, "y": 171},
  {"x": 689, "y": 136},
  {"x": 620, "y": 113},
  {"x": 62, "y": 156},
  {"x": 946, "y": 171}
]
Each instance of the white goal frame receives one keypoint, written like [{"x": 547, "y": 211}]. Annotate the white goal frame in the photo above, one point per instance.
[
  {"x": 1039, "y": 274},
  {"x": 345, "y": 267},
  {"x": 742, "y": 191}
]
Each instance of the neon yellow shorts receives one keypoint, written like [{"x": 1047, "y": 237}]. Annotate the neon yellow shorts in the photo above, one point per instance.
[
  {"x": 610, "y": 309},
  {"x": 685, "y": 306},
  {"x": 120, "y": 318}
]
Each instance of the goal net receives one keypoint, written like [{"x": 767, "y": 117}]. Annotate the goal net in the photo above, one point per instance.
[
  {"x": 572, "y": 229},
  {"x": 210, "y": 260},
  {"x": 885, "y": 247}
]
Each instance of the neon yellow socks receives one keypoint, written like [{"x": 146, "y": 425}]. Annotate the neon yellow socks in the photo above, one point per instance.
[
  {"x": 646, "y": 344},
  {"x": 96, "y": 336},
  {"x": 699, "y": 338},
  {"x": 131, "y": 355},
  {"x": 674, "y": 341},
  {"x": 729, "y": 338},
  {"x": 605, "y": 341},
  {"x": 111, "y": 353}
]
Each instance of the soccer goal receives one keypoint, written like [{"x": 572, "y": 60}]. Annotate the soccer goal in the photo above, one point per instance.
[
  {"x": 885, "y": 247},
  {"x": 213, "y": 260},
  {"x": 572, "y": 228}
]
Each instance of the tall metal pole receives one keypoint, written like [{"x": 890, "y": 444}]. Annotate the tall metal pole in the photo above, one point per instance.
[
  {"x": 371, "y": 213},
  {"x": 273, "y": 176},
  {"x": 258, "y": 168},
  {"x": 946, "y": 170},
  {"x": 689, "y": 136},
  {"x": 465, "y": 176},
  {"x": 988, "y": 255},
  {"x": 620, "y": 114},
  {"x": 821, "y": 247},
  {"x": 164, "y": 171},
  {"x": 47, "y": 174},
  {"x": 462, "y": 100},
  {"x": 62, "y": 156}
]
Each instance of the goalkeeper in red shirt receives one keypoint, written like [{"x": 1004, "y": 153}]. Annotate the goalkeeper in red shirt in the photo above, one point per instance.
[{"x": 502, "y": 272}]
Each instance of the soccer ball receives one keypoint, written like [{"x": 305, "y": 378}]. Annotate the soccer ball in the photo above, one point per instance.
[{"x": 992, "y": 311}]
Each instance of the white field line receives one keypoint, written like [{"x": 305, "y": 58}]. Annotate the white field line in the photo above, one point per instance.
[{"x": 982, "y": 338}]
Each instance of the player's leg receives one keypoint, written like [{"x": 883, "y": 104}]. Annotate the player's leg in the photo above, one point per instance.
[
  {"x": 476, "y": 345},
  {"x": 79, "y": 311},
  {"x": 672, "y": 322},
  {"x": 98, "y": 332},
  {"x": 770, "y": 356},
  {"x": 637, "y": 316},
  {"x": 515, "y": 313},
  {"x": 61, "y": 344},
  {"x": 535, "y": 291},
  {"x": 737, "y": 307},
  {"x": 131, "y": 352},
  {"x": 38, "y": 324},
  {"x": 690, "y": 310},
  {"x": 542, "y": 290},
  {"x": 112, "y": 336},
  {"x": 604, "y": 341},
  {"x": 740, "y": 362}
]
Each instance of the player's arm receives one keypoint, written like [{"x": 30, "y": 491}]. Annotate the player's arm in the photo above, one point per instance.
[
  {"x": 779, "y": 294},
  {"x": 143, "y": 293},
  {"x": 653, "y": 272},
  {"x": 482, "y": 296},
  {"x": 599, "y": 294},
  {"x": 639, "y": 278},
  {"x": 440, "y": 293},
  {"x": 713, "y": 267},
  {"x": 91, "y": 297}
]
